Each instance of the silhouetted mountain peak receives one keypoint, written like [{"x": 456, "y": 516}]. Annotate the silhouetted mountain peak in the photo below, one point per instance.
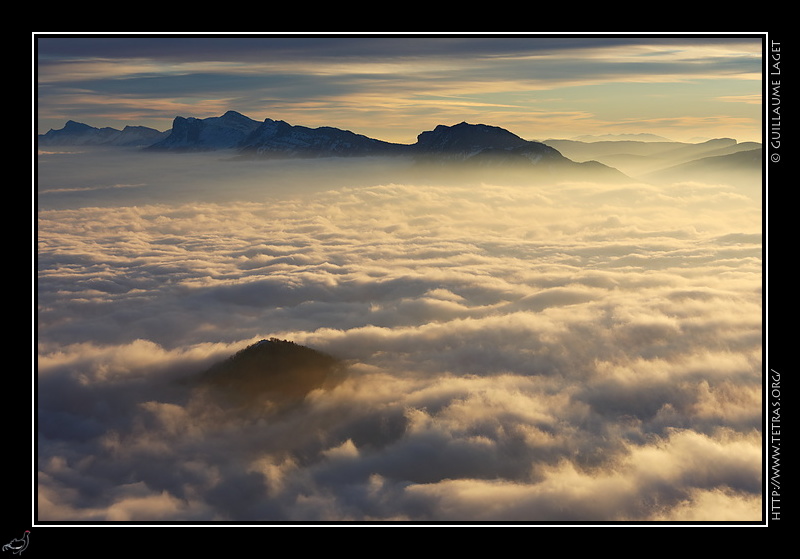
[
  {"x": 466, "y": 139},
  {"x": 199, "y": 134},
  {"x": 73, "y": 126},
  {"x": 235, "y": 115},
  {"x": 485, "y": 146}
]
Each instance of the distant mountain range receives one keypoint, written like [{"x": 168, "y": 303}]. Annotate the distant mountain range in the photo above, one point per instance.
[
  {"x": 720, "y": 159},
  {"x": 276, "y": 138},
  {"x": 476, "y": 144},
  {"x": 619, "y": 137},
  {"x": 79, "y": 134}
]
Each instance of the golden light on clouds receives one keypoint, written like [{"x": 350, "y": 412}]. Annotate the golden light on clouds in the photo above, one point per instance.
[{"x": 511, "y": 346}]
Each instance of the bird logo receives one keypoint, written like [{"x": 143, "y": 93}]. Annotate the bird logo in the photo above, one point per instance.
[{"x": 17, "y": 545}]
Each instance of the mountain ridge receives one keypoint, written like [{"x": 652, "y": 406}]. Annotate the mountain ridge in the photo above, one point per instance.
[
  {"x": 234, "y": 131},
  {"x": 470, "y": 145},
  {"x": 77, "y": 133}
]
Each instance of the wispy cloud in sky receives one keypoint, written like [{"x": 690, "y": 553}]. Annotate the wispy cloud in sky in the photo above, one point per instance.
[{"x": 395, "y": 87}]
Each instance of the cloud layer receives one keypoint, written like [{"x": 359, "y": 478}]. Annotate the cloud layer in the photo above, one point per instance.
[{"x": 566, "y": 352}]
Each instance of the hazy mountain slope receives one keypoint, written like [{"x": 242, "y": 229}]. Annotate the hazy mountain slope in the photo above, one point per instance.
[
  {"x": 742, "y": 168},
  {"x": 580, "y": 151},
  {"x": 643, "y": 137},
  {"x": 637, "y": 159}
]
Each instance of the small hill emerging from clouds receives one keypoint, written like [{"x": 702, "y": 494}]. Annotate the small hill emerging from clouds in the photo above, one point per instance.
[
  {"x": 277, "y": 370},
  {"x": 465, "y": 147}
]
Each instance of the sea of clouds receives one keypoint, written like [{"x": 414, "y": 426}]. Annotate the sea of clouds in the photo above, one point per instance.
[{"x": 515, "y": 352}]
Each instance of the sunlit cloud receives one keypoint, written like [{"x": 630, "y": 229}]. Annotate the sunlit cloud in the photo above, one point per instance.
[
  {"x": 90, "y": 69},
  {"x": 750, "y": 99},
  {"x": 561, "y": 352}
]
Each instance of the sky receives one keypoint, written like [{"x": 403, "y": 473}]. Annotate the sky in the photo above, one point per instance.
[
  {"x": 516, "y": 348},
  {"x": 393, "y": 87}
]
